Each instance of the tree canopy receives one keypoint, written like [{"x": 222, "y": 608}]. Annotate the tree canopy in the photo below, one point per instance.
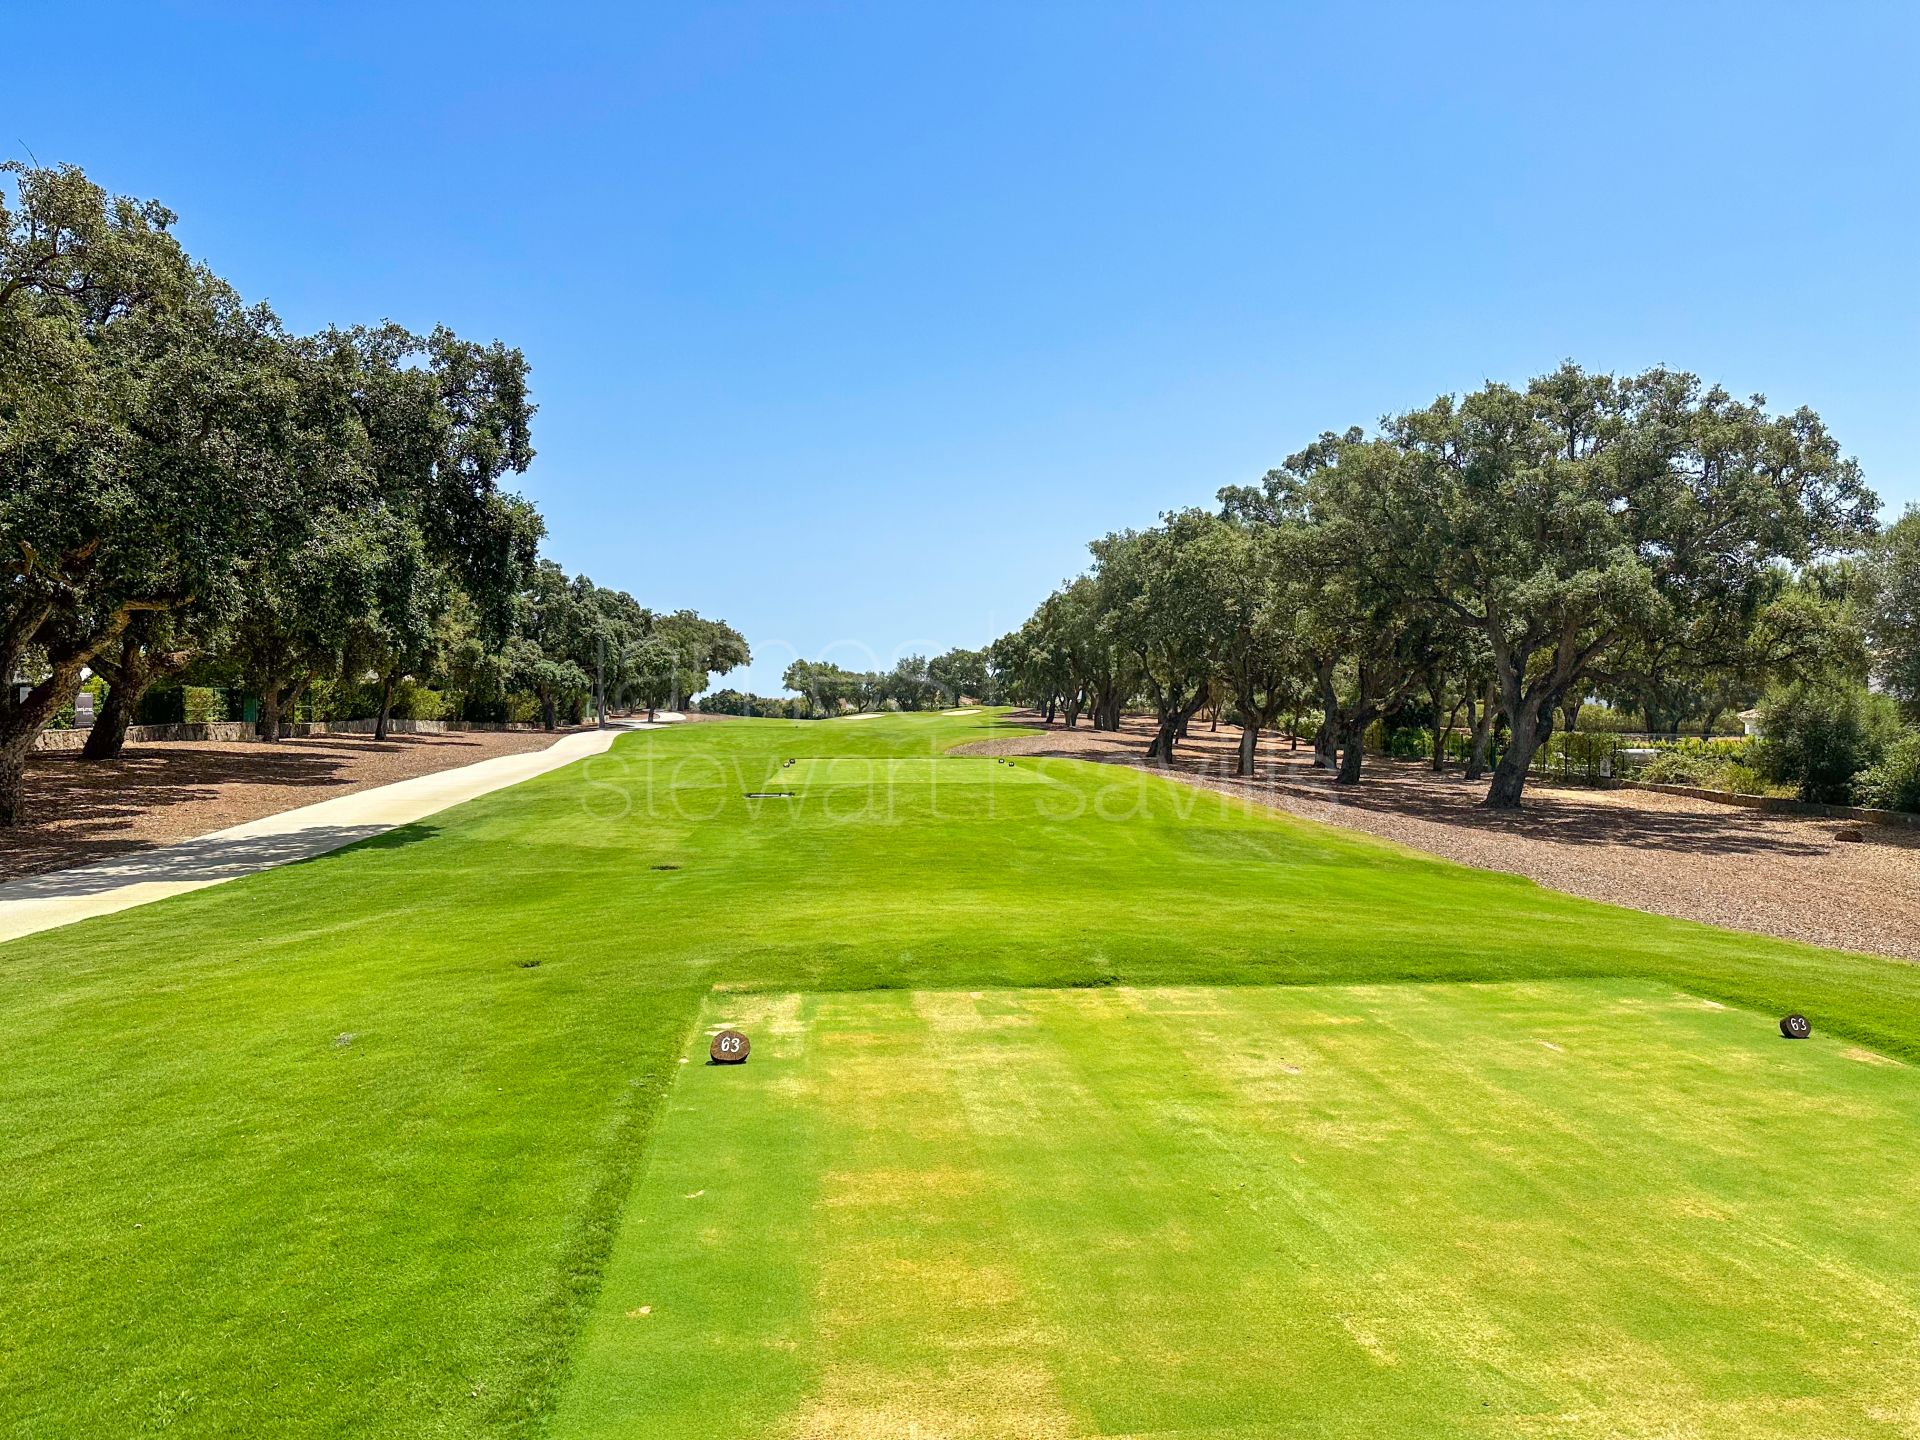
[
  {"x": 1647, "y": 537},
  {"x": 188, "y": 488}
]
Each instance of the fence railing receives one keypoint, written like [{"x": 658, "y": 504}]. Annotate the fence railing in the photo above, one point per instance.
[{"x": 1578, "y": 758}]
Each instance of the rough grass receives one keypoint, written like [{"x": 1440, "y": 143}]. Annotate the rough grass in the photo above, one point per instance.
[
  {"x": 225, "y": 1216},
  {"x": 1574, "y": 1208}
]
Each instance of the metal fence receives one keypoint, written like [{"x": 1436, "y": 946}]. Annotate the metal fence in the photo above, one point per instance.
[{"x": 1581, "y": 758}]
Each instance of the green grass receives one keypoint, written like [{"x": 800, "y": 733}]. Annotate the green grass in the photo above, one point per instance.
[
  {"x": 343, "y": 1149},
  {"x": 1570, "y": 1207}
]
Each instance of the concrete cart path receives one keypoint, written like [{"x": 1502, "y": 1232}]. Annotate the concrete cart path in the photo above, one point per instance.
[{"x": 42, "y": 902}]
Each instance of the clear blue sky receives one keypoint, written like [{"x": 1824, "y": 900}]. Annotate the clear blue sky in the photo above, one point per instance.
[{"x": 852, "y": 323}]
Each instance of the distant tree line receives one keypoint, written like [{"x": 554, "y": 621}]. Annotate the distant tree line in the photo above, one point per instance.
[
  {"x": 1497, "y": 560},
  {"x": 188, "y": 491},
  {"x": 823, "y": 689}
]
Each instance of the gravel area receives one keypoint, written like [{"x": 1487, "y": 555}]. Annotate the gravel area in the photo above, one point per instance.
[
  {"x": 1783, "y": 875},
  {"x": 158, "y": 793}
]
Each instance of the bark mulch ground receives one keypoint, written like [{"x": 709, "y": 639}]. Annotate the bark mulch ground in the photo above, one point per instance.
[
  {"x": 157, "y": 793},
  {"x": 1783, "y": 875}
]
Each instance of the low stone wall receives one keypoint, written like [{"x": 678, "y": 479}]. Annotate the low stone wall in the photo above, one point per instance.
[
  {"x": 394, "y": 727},
  {"x": 237, "y": 730},
  {"x": 1777, "y": 805},
  {"x": 147, "y": 734}
]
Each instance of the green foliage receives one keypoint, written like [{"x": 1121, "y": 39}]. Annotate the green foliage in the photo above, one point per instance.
[
  {"x": 1676, "y": 767},
  {"x": 826, "y": 689},
  {"x": 1647, "y": 538},
  {"x": 1608, "y": 719},
  {"x": 961, "y": 675},
  {"x": 414, "y": 701},
  {"x": 1594, "y": 522},
  {"x": 146, "y": 435},
  {"x": 1890, "y": 581},
  {"x": 1402, "y": 742},
  {"x": 202, "y": 705},
  {"x": 1893, "y": 782},
  {"x": 1817, "y": 735},
  {"x": 769, "y": 707},
  {"x": 1162, "y": 609}
]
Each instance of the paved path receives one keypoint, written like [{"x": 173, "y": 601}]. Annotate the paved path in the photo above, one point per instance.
[{"x": 41, "y": 902}]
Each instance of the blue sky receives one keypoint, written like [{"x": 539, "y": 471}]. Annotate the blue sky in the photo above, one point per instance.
[{"x": 852, "y": 323}]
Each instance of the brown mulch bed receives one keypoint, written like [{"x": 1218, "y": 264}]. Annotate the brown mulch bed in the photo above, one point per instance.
[
  {"x": 161, "y": 792},
  {"x": 1783, "y": 875}
]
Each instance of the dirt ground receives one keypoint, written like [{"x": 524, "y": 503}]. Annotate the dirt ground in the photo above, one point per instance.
[
  {"x": 1783, "y": 875},
  {"x": 161, "y": 792}
]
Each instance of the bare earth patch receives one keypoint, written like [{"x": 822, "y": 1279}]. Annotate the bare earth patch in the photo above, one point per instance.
[
  {"x": 158, "y": 793},
  {"x": 1783, "y": 875}
]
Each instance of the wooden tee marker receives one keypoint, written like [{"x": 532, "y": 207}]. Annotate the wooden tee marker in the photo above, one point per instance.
[
  {"x": 1795, "y": 1027},
  {"x": 730, "y": 1047}
]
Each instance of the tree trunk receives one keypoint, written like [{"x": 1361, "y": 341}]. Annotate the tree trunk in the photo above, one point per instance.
[
  {"x": 1326, "y": 740},
  {"x": 1483, "y": 731},
  {"x": 386, "y": 707},
  {"x": 1352, "y": 748},
  {"x": 548, "y": 712},
  {"x": 286, "y": 706},
  {"x": 13, "y": 780},
  {"x": 1440, "y": 728},
  {"x": 1249, "y": 737},
  {"x": 1164, "y": 735},
  {"x": 1706, "y": 725},
  {"x": 109, "y": 733},
  {"x": 20, "y": 726},
  {"x": 1529, "y": 729},
  {"x": 267, "y": 727}
]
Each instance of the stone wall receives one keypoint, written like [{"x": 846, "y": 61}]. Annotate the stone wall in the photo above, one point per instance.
[
  {"x": 235, "y": 730},
  {"x": 1777, "y": 805},
  {"x": 146, "y": 734}
]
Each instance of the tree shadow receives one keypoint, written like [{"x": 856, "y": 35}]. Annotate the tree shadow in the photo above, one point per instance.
[
  {"x": 1411, "y": 789},
  {"x": 86, "y": 811},
  {"x": 212, "y": 858}
]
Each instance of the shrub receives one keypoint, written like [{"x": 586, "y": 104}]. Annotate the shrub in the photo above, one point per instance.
[
  {"x": 1817, "y": 735},
  {"x": 732, "y": 702},
  {"x": 1409, "y": 742},
  {"x": 326, "y": 700},
  {"x": 202, "y": 704},
  {"x": 1605, "y": 720},
  {"x": 1893, "y": 783},
  {"x": 1678, "y": 768},
  {"x": 1744, "y": 780},
  {"x": 413, "y": 701}
]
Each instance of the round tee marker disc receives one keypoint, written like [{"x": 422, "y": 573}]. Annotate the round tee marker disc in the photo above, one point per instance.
[{"x": 730, "y": 1047}]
